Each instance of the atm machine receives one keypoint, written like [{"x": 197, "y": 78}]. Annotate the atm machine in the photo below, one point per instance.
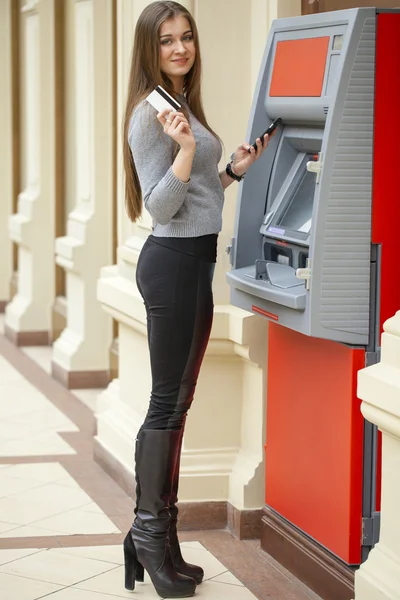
[{"x": 315, "y": 251}]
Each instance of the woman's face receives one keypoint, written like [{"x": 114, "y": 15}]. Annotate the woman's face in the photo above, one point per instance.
[{"x": 178, "y": 51}]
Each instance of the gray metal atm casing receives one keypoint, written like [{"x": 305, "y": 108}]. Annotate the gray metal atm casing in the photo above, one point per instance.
[{"x": 338, "y": 126}]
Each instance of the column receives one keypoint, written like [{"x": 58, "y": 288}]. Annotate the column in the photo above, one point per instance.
[
  {"x": 122, "y": 405},
  {"x": 81, "y": 353},
  {"x": 232, "y": 383},
  {"x": 379, "y": 387},
  {"x": 8, "y": 159},
  {"x": 262, "y": 15},
  {"x": 226, "y": 465},
  {"x": 28, "y": 316}
]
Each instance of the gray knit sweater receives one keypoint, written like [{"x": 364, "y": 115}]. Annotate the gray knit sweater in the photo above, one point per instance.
[{"x": 178, "y": 209}]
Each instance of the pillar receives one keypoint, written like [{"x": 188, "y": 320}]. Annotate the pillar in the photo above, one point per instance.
[
  {"x": 379, "y": 388},
  {"x": 28, "y": 315},
  {"x": 8, "y": 141},
  {"x": 222, "y": 458},
  {"x": 81, "y": 352}
]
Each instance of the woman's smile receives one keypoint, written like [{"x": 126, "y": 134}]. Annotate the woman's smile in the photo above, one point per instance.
[{"x": 177, "y": 50}]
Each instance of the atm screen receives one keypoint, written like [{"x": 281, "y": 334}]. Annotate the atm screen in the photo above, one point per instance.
[
  {"x": 299, "y": 67},
  {"x": 298, "y": 213}
]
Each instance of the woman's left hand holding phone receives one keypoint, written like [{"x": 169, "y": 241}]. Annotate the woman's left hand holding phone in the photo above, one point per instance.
[
  {"x": 177, "y": 127},
  {"x": 246, "y": 154}
]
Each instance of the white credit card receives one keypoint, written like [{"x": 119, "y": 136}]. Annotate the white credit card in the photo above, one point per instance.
[{"x": 160, "y": 100}]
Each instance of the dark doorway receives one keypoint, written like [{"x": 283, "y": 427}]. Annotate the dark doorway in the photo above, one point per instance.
[{"x": 310, "y": 7}]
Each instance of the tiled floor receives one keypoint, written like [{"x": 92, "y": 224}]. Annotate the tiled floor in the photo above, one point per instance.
[
  {"x": 41, "y": 355},
  {"x": 62, "y": 519}
]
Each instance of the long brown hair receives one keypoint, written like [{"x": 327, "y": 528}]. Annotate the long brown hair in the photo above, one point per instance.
[{"x": 145, "y": 75}]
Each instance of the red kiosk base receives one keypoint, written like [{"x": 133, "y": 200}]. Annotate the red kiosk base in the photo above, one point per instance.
[{"x": 314, "y": 443}]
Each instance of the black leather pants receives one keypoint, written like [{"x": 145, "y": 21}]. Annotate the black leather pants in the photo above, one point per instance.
[{"x": 177, "y": 292}]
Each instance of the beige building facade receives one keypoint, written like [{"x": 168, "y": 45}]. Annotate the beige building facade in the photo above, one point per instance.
[
  {"x": 76, "y": 251},
  {"x": 69, "y": 253}
]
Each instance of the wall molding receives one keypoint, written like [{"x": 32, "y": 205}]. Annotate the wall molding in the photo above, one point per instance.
[
  {"x": 73, "y": 380},
  {"x": 30, "y": 8},
  {"x": 27, "y": 338},
  {"x": 313, "y": 565}
]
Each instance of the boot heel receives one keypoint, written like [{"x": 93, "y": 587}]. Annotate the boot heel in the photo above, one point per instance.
[
  {"x": 133, "y": 569},
  {"x": 139, "y": 574},
  {"x": 130, "y": 569}
]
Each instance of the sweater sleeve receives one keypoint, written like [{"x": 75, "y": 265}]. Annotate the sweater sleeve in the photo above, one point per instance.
[{"x": 152, "y": 150}]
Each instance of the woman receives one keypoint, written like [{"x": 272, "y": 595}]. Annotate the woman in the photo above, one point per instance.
[{"x": 171, "y": 164}]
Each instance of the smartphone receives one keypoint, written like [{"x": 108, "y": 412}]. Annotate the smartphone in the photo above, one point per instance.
[
  {"x": 160, "y": 100},
  {"x": 269, "y": 131}
]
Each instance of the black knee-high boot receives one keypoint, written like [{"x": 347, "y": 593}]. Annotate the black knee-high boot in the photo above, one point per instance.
[
  {"x": 147, "y": 544},
  {"x": 180, "y": 564}
]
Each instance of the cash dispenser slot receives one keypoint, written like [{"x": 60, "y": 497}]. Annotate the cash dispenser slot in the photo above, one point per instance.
[
  {"x": 280, "y": 287},
  {"x": 277, "y": 253}
]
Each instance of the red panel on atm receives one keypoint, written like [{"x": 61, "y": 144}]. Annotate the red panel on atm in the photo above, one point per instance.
[
  {"x": 314, "y": 442},
  {"x": 385, "y": 198},
  {"x": 299, "y": 67},
  {"x": 386, "y": 204}
]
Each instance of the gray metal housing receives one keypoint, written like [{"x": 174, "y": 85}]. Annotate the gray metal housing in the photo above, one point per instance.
[{"x": 338, "y": 126}]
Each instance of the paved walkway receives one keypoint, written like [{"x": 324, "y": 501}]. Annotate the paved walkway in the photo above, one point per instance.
[{"x": 62, "y": 519}]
